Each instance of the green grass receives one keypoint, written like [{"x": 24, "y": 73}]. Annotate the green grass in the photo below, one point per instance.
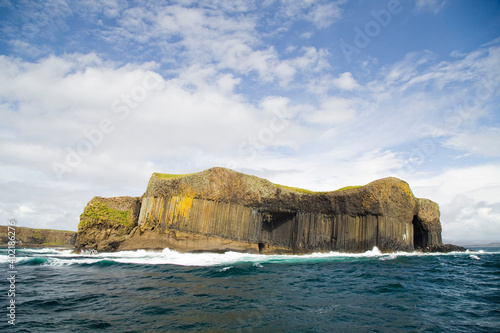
[
  {"x": 348, "y": 188},
  {"x": 37, "y": 234},
  {"x": 301, "y": 190},
  {"x": 99, "y": 211},
  {"x": 296, "y": 189},
  {"x": 170, "y": 175},
  {"x": 291, "y": 188}
]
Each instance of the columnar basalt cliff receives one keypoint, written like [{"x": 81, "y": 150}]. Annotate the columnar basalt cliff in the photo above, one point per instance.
[{"x": 221, "y": 210}]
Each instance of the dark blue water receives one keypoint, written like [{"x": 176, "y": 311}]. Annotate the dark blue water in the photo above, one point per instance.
[{"x": 57, "y": 291}]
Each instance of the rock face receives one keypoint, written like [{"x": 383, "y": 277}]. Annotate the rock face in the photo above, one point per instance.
[
  {"x": 445, "y": 248},
  {"x": 107, "y": 222},
  {"x": 220, "y": 210},
  {"x": 29, "y": 237},
  {"x": 427, "y": 228}
]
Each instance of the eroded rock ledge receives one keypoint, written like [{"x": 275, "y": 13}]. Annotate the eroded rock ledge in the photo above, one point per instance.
[{"x": 221, "y": 210}]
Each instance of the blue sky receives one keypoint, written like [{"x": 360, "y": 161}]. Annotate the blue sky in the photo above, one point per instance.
[{"x": 97, "y": 95}]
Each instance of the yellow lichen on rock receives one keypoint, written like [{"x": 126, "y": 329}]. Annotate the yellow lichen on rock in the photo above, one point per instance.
[{"x": 178, "y": 209}]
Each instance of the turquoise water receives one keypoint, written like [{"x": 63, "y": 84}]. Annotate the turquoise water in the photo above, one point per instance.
[{"x": 57, "y": 291}]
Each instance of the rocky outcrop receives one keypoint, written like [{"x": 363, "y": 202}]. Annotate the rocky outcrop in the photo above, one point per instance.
[
  {"x": 444, "y": 248},
  {"x": 220, "y": 209},
  {"x": 427, "y": 227},
  {"x": 29, "y": 237},
  {"x": 106, "y": 222}
]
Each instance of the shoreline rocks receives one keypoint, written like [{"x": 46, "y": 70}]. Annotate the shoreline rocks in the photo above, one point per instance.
[{"x": 444, "y": 248}]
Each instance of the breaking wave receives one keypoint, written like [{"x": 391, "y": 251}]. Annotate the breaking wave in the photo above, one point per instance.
[{"x": 57, "y": 257}]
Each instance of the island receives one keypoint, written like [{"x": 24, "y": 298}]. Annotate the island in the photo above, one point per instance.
[
  {"x": 31, "y": 237},
  {"x": 220, "y": 210}
]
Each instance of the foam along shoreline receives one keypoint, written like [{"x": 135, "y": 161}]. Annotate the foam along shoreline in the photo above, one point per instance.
[{"x": 58, "y": 257}]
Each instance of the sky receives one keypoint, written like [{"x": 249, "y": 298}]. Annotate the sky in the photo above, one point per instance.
[{"x": 95, "y": 96}]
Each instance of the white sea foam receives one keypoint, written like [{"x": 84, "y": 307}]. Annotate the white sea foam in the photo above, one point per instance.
[
  {"x": 389, "y": 257},
  {"x": 225, "y": 268},
  {"x": 58, "y": 257},
  {"x": 45, "y": 250}
]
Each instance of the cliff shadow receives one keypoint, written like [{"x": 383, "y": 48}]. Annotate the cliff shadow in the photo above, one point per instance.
[
  {"x": 277, "y": 228},
  {"x": 420, "y": 235},
  {"x": 274, "y": 220}
]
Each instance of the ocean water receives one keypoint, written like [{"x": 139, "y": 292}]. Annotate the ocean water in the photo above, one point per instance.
[{"x": 140, "y": 291}]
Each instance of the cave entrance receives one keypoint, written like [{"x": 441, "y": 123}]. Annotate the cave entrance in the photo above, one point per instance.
[
  {"x": 261, "y": 247},
  {"x": 420, "y": 235},
  {"x": 277, "y": 228},
  {"x": 274, "y": 220}
]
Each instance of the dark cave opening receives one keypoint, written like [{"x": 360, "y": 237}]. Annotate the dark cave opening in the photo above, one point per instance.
[
  {"x": 420, "y": 235},
  {"x": 273, "y": 220}
]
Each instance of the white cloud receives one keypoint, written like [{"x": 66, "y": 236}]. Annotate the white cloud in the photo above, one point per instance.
[
  {"x": 430, "y": 5},
  {"x": 345, "y": 81},
  {"x": 324, "y": 15},
  {"x": 483, "y": 142},
  {"x": 466, "y": 220},
  {"x": 90, "y": 9},
  {"x": 62, "y": 95},
  {"x": 469, "y": 200},
  {"x": 196, "y": 111},
  {"x": 323, "y": 85},
  {"x": 449, "y": 183},
  {"x": 446, "y": 98},
  {"x": 321, "y": 14},
  {"x": 399, "y": 74},
  {"x": 206, "y": 35},
  {"x": 27, "y": 49},
  {"x": 23, "y": 210},
  {"x": 479, "y": 67},
  {"x": 334, "y": 110},
  {"x": 32, "y": 20},
  {"x": 338, "y": 167}
]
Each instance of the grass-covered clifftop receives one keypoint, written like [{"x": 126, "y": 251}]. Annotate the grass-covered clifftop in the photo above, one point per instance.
[
  {"x": 220, "y": 184},
  {"x": 30, "y": 237},
  {"x": 106, "y": 222}
]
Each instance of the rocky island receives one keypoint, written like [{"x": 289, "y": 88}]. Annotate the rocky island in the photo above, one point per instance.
[
  {"x": 220, "y": 210},
  {"x": 30, "y": 237}
]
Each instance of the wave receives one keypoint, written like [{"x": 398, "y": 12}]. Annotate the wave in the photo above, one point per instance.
[
  {"x": 34, "y": 261},
  {"x": 45, "y": 250},
  {"x": 57, "y": 257}
]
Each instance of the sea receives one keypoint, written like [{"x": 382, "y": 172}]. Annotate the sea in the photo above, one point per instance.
[{"x": 56, "y": 290}]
